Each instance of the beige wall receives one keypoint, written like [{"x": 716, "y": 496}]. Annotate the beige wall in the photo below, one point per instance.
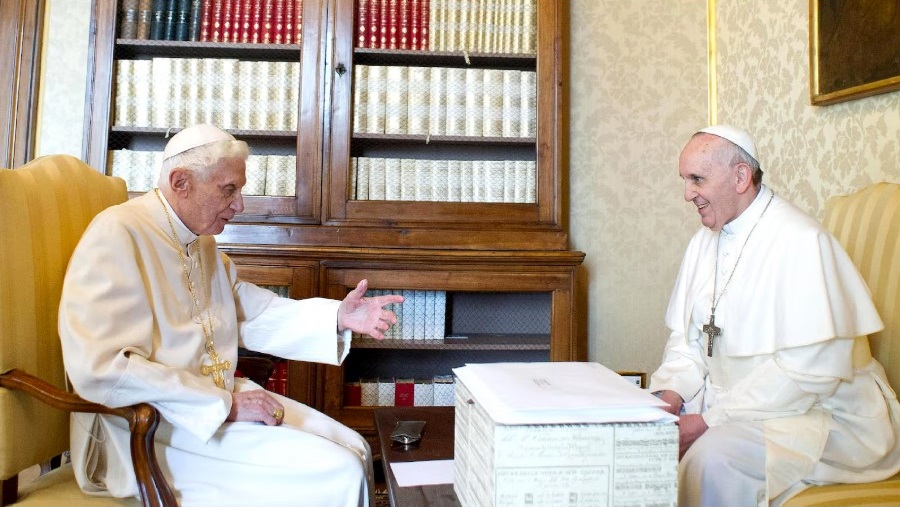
[{"x": 638, "y": 90}]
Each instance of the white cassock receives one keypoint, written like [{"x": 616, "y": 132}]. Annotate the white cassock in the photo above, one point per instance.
[
  {"x": 782, "y": 366},
  {"x": 130, "y": 334}
]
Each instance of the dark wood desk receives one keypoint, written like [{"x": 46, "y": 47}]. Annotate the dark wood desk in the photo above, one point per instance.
[{"x": 436, "y": 444}]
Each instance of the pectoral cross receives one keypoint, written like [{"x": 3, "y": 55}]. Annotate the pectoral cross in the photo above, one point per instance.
[
  {"x": 713, "y": 331},
  {"x": 216, "y": 369}
]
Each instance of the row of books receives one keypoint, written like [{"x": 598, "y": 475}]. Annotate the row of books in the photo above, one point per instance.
[
  {"x": 273, "y": 175},
  {"x": 247, "y": 21},
  {"x": 447, "y": 101},
  {"x": 421, "y": 315},
  {"x": 483, "y": 26},
  {"x": 229, "y": 93},
  {"x": 393, "y": 179},
  {"x": 401, "y": 392}
]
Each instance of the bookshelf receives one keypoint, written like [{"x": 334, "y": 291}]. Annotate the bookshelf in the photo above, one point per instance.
[{"x": 491, "y": 227}]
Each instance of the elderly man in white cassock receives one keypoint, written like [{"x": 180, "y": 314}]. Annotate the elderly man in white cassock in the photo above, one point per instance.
[
  {"x": 763, "y": 318},
  {"x": 152, "y": 312}
]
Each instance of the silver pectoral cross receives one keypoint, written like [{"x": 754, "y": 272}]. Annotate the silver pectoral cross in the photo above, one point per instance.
[{"x": 713, "y": 331}]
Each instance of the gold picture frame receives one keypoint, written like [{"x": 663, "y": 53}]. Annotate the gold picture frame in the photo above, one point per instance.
[{"x": 854, "y": 49}]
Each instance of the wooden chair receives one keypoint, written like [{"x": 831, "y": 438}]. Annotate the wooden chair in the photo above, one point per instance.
[
  {"x": 45, "y": 206},
  {"x": 867, "y": 223}
]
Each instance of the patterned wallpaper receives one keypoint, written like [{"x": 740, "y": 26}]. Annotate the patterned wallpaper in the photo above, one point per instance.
[{"x": 639, "y": 89}]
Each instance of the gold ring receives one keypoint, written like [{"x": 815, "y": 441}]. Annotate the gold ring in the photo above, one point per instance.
[{"x": 278, "y": 413}]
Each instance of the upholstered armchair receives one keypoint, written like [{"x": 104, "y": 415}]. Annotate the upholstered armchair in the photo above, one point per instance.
[
  {"x": 45, "y": 206},
  {"x": 867, "y": 223}
]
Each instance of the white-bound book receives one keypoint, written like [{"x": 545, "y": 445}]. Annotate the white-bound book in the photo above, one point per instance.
[
  {"x": 430, "y": 333},
  {"x": 118, "y": 164},
  {"x": 227, "y": 96},
  {"x": 424, "y": 184},
  {"x": 354, "y": 173},
  {"x": 360, "y": 97},
  {"x": 419, "y": 315},
  {"x": 440, "y": 313},
  {"x": 408, "y": 330},
  {"x": 294, "y": 96},
  {"x": 466, "y": 184},
  {"x": 246, "y": 100},
  {"x": 474, "y": 102},
  {"x": 516, "y": 27},
  {"x": 443, "y": 391},
  {"x": 478, "y": 19},
  {"x": 492, "y": 103},
  {"x": 368, "y": 388},
  {"x": 208, "y": 91},
  {"x": 451, "y": 26},
  {"x": 376, "y": 179},
  {"x": 418, "y": 100},
  {"x": 256, "y": 175},
  {"x": 496, "y": 180},
  {"x": 528, "y": 125},
  {"x": 456, "y": 102},
  {"x": 440, "y": 189},
  {"x": 521, "y": 183},
  {"x": 161, "y": 92},
  {"x": 125, "y": 99},
  {"x": 531, "y": 182},
  {"x": 279, "y": 95},
  {"x": 392, "y": 179},
  {"x": 396, "y": 107},
  {"x": 281, "y": 175},
  {"x": 142, "y": 89},
  {"x": 454, "y": 179},
  {"x": 436, "y": 20},
  {"x": 408, "y": 179},
  {"x": 362, "y": 178},
  {"x": 386, "y": 391},
  {"x": 479, "y": 181},
  {"x": 491, "y": 19},
  {"x": 149, "y": 173},
  {"x": 529, "y": 27},
  {"x": 437, "y": 101},
  {"x": 511, "y": 117},
  {"x": 423, "y": 393},
  {"x": 193, "y": 81},
  {"x": 509, "y": 181},
  {"x": 506, "y": 26},
  {"x": 375, "y": 113},
  {"x": 180, "y": 72}
]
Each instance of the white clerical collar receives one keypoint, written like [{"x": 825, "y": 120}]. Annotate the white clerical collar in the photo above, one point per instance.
[
  {"x": 185, "y": 235},
  {"x": 745, "y": 221}
]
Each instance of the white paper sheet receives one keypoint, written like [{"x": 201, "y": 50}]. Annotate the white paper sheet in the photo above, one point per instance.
[
  {"x": 423, "y": 473},
  {"x": 559, "y": 393}
]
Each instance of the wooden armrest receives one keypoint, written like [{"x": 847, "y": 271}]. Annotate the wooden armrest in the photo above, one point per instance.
[
  {"x": 257, "y": 369},
  {"x": 142, "y": 420}
]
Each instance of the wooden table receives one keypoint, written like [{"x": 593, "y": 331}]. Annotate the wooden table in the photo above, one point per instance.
[{"x": 436, "y": 444}]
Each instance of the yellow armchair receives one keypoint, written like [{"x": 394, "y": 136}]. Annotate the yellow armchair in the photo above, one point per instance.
[
  {"x": 867, "y": 223},
  {"x": 45, "y": 206}
]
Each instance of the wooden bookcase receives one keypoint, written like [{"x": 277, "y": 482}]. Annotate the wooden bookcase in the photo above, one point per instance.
[{"x": 322, "y": 239}]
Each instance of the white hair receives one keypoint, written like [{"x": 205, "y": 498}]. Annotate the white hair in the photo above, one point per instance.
[{"x": 199, "y": 159}]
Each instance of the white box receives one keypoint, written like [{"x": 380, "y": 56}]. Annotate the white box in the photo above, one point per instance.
[{"x": 590, "y": 464}]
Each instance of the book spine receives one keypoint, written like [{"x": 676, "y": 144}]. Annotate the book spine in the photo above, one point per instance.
[
  {"x": 361, "y": 25},
  {"x": 362, "y": 178},
  {"x": 289, "y": 22},
  {"x": 424, "y": 25},
  {"x": 419, "y": 307},
  {"x": 182, "y": 20},
  {"x": 466, "y": 186},
  {"x": 474, "y": 108},
  {"x": 266, "y": 22},
  {"x": 369, "y": 391},
  {"x": 158, "y": 20},
  {"x": 374, "y": 18},
  {"x": 512, "y": 103},
  {"x": 393, "y": 23},
  {"x": 375, "y": 114},
  {"x": 195, "y": 20},
  {"x": 454, "y": 179},
  {"x": 241, "y": 24},
  {"x": 256, "y": 176},
  {"x": 376, "y": 179},
  {"x": 493, "y": 103},
  {"x": 404, "y": 392},
  {"x": 456, "y": 101},
  {"x": 528, "y": 125},
  {"x": 423, "y": 394},
  {"x": 360, "y": 97},
  {"x": 144, "y": 19},
  {"x": 437, "y": 101},
  {"x": 386, "y": 391},
  {"x": 408, "y": 193},
  {"x": 278, "y": 22},
  {"x": 440, "y": 314},
  {"x": 142, "y": 78},
  {"x": 217, "y": 18},
  {"x": 509, "y": 181},
  {"x": 125, "y": 107},
  {"x": 171, "y": 19},
  {"x": 424, "y": 193},
  {"x": 418, "y": 100},
  {"x": 237, "y": 17},
  {"x": 161, "y": 92},
  {"x": 281, "y": 175},
  {"x": 206, "y": 20},
  {"x": 352, "y": 394},
  {"x": 227, "y": 20},
  {"x": 479, "y": 181},
  {"x": 396, "y": 105},
  {"x": 210, "y": 93},
  {"x": 128, "y": 19},
  {"x": 193, "y": 83},
  {"x": 280, "y": 99},
  {"x": 256, "y": 20},
  {"x": 392, "y": 179},
  {"x": 294, "y": 96},
  {"x": 404, "y": 25},
  {"x": 298, "y": 24},
  {"x": 384, "y": 22}
]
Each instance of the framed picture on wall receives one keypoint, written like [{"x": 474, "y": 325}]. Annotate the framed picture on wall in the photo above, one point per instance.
[{"x": 854, "y": 49}]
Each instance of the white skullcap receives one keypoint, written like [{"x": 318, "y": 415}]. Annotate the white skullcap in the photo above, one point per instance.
[
  {"x": 194, "y": 137},
  {"x": 736, "y": 136}
]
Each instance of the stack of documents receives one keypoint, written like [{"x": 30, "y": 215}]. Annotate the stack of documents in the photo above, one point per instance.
[{"x": 560, "y": 434}]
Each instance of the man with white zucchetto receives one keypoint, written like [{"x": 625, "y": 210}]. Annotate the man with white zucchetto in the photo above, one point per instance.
[
  {"x": 153, "y": 312},
  {"x": 759, "y": 364}
]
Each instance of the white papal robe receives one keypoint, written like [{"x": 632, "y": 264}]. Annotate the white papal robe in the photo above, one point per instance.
[
  {"x": 130, "y": 334},
  {"x": 783, "y": 361}
]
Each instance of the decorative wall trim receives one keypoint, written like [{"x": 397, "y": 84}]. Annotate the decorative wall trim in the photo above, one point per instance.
[{"x": 711, "y": 55}]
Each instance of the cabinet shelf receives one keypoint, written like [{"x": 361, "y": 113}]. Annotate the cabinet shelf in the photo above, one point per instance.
[
  {"x": 421, "y": 139},
  {"x": 471, "y": 342},
  {"x": 364, "y": 56},
  {"x": 133, "y": 48}
]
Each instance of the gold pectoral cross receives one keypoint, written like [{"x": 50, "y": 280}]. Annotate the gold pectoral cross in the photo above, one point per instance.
[
  {"x": 713, "y": 331},
  {"x": 216, "y": 369}
]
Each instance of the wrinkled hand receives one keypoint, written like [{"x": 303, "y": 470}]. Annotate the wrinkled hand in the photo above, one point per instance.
[
  {"x": 255, "y": 406},
  {"x": 690, "y": 428},
  {"x": 366, "y": 315},
  {"x": 674, "y": 400}
]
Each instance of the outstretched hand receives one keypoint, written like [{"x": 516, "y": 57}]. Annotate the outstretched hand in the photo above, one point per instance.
[{"x": 366, "y": 315}]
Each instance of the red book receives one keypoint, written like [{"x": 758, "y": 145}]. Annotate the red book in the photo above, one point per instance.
[
  {"x": 227, "y": 18},
  {"x": 362, "y": 23},
  {"x": 278, "y": 22},
  {"x": 237, "y": 17},
  {"x": 265, "y": 25},
  {"x": 214, "y": 31},
  {"x": 404, "y": 392},
  {"x": 352, "y": 394},
  {"x": 393, "y": 23},
  {"x": 256, "y": 8},
  {"x": 423, "y": 24},
  {"x": 404, "y": 26},
  {"x": 282, "y": 378},
  {"x": 243, "y": 21},
  {"x": 384, "y": 21},
  {"x": 288, "y": 32},
  {"x": 375, "y": 23},
  {"x": 415, "y": 23},
  {"x": 298, "y": 22}
]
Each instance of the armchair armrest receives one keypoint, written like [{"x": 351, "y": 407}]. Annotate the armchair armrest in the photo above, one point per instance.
[{"x": 142, "y": 420}]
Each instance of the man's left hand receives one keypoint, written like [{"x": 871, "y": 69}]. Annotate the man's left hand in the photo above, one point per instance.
[
  {"x": 690, "y": 428},
  {"x": 367, "y": 315}
]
